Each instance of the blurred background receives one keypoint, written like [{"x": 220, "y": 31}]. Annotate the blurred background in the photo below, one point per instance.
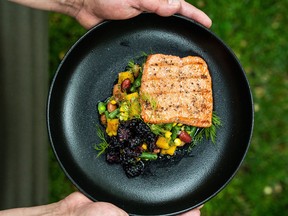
[{"x": 257, "y": 32}]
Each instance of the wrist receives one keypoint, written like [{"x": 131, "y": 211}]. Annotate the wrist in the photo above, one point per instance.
[
  {"x": 69, "y": 7},
  {"x": 44, "y": 210}
]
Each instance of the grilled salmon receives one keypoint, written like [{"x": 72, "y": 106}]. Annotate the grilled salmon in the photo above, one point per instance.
[{"x": 175, "y": 89}]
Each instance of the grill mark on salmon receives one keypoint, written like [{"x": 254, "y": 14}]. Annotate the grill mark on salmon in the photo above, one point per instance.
[{"x": 175, "y": 89}]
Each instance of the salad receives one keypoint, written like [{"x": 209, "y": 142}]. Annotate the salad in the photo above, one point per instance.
[{"x": 129, "y": 141}]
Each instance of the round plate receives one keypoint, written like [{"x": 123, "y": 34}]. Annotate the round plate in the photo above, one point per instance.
[{"x": 86, "y": 76}]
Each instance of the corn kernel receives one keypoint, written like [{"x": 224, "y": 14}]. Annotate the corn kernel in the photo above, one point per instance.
[
  {"x": 177, "y": 142},
  {"x": 124, "y": 107},
  {"x": 179, "y": 124},
  {"x": 168, "y": 134},
  {"x": 113, "y": 102},
  {"x": 174, "y": 124}
]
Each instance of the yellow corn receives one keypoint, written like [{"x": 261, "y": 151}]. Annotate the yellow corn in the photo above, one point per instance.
[
  {"x": 179, "y": 124},
  {"x": 113, "y": 102},
  {"x": 168, "y": 134},
  {"x": 124, "y": 107},
  {"x": 177, "y": 142},
  {"x": 174, "y": 124}
]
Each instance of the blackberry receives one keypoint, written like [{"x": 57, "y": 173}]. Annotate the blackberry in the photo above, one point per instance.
[
  {"x": 113, "y": 155},
  {"x": 133, "y": 122},
  {"x": 114, "y": 142},
  {"x": 131, "y": 153},
  {"x": 123, "y": 133},
  {"x": 134, "y": 169},
  {"x": 142, "y": 129},
  {"x": 150, "y": 140},
  {"x": 135, "y": 141}
]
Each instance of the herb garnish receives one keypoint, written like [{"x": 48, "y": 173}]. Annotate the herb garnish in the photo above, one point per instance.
[
  {"x": 103, "y": 145},
  {"x": 210, "y": 132}
]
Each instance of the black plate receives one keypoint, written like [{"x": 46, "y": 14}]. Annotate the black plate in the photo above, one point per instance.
[{"x": 86, "y": 75}]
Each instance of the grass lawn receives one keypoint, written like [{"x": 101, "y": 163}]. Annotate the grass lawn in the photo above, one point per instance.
[{"x": 257, "y": 32}]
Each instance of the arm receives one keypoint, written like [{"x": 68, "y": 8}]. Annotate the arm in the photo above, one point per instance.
[
  {"x": 91, "y": 12},
  {"x": 75, "y": 204},
  {"x": 33, "y": 211}
]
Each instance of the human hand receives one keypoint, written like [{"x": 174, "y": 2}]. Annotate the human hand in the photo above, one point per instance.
[
  {"x": 92, "y": 12},
  {"x": 193, "y": 212},
  {"x": 77, "y": 204}
]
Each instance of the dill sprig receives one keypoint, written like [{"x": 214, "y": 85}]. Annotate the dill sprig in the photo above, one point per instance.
[
  {"x": 157, "y": 129},
  {"x": 103, "y": 145},
  {"x": 210, "y": 132},
  {"x": 147, "y": 98}
]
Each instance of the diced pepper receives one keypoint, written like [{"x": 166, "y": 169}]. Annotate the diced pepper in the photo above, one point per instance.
[
  {"x": 144, "y": 146},
  {"x": 112, "y": 127},
  {"x": 169, "y": 151},
  {"x": 133, "y": 104},
  {"x": 163, "y": 143},
  {"x": 125, "y": 75},
  {"x": 132, "y": 96}
]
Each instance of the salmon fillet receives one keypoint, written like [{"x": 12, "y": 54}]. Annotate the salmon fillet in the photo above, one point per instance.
[{"x": 175, "y": 89}]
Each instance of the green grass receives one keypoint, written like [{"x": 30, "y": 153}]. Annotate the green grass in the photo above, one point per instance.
[{"x": 257, "y": 32}]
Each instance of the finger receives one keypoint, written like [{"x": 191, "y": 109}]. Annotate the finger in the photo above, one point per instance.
[
  {"x": 106, "y": 209},
  {"x": 86, "y": 19},
  {"x": 194, "y": 212},
  {"x": 160, "y": 7},
  {"x": 200, "y": 207},
  {"x": 194, "y": 13}
]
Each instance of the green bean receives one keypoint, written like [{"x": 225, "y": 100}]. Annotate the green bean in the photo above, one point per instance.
[
  {"x": 137, "y": 81},
  {"x": 168, "y": 126},
  {"x": 193, "y": 131},
  {"x": 148, "y": 156},
  {"x": 114, "y": 113},
  {"x": 106, "y": 114},
  {"x": 175, "y": 131},
  {"x": 133, "y": 88}
]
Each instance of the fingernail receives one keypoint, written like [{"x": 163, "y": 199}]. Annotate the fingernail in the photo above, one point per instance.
[
  {"x": 200, "y": 206},
  {"x": 173, "y": 1}
]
